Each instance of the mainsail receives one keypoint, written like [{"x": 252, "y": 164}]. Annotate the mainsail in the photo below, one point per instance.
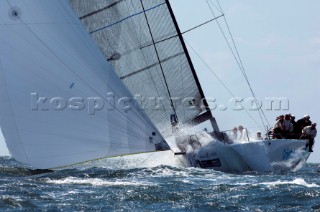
[
  {"x": 142, "y": 40},
  {"x": 61, "y": 103}
]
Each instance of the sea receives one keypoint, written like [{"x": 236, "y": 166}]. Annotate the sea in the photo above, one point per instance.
[{"x": 159, "y": 188}]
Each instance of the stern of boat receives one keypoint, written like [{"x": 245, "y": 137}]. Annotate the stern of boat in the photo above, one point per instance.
[{"x": 287, "y": 154}]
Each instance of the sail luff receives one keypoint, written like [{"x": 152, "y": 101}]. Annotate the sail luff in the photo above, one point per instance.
[{"x": 206, "y": 105}]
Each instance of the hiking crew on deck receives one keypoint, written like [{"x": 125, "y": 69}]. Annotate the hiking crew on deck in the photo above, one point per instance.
[{"x": 286, "y": 128}]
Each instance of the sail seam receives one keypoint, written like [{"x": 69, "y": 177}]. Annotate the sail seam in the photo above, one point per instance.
[
  {"x": 100, "y": 10},
  {"x": 131, "y": 16}
]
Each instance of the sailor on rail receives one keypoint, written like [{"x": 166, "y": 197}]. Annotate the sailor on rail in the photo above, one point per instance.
[{"x": 309, "y": 132}]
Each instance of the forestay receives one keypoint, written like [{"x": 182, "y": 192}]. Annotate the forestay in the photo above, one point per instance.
[
  {"x": 142, "y": 41},
  {"x": 61, "y": 103}
]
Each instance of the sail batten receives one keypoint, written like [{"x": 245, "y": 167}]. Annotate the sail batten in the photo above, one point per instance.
[{"x": 142, "y": 41}]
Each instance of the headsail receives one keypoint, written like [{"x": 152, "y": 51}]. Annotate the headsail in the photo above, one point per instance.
[
  {"x": 142, "y": 40},
  {"x": 61, "y": 103}
]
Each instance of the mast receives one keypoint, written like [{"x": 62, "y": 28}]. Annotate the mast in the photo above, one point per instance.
[{"x": 208, "y": 114}]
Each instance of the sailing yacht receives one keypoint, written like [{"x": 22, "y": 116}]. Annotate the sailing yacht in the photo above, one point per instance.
[{"x": 87, "y": 80}]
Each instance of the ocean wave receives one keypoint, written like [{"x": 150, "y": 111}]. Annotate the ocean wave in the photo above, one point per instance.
[
  {"x": 297, "y": 181},
  {"x": 96, "y": 182}
]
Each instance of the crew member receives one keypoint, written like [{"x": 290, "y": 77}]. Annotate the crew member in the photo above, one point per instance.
[
  {"x": 234, "y": 133},
  {"x": 287, "y": 126},
  {"x": 302, "y": 123},
  {"x": 258, "y": 136},
  {"x": 309, "y": 132},
  {"x": 278, "y": 128},
  {"x": 243, "y": 133}
]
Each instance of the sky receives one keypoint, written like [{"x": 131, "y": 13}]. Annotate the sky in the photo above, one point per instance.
[{"x": 279, "y": 45}]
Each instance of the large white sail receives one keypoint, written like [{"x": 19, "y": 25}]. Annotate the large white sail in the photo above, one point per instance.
[{"x": 60, "y": 102}]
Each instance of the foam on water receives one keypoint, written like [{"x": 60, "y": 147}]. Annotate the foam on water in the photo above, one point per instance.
[
  {"x": 135, "y": 161},
  {"x": 298, "y": 181},
  {"x": 96, "y": 182},
  {"x": 161, "y": 188}
]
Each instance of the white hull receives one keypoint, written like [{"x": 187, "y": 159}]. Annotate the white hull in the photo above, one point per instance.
[
  {"x": 259, "y": 156},
  {"x": 256, "y": 156}
]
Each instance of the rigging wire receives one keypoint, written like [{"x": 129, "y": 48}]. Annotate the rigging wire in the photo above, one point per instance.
[
  {"x": 218, "y": 78},
  {"x": 182, "y": 33},
  {"x": 244, "y": 71},
  {"x": 239, "y": 61},
  {"x": 200, "y": 25}
]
